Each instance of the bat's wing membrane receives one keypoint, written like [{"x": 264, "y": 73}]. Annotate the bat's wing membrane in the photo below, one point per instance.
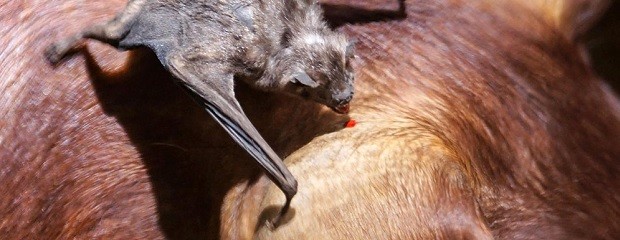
[{"x": 215, "y": 91}]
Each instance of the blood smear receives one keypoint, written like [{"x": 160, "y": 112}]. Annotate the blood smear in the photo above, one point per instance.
[{"x": 351, "y": 123}]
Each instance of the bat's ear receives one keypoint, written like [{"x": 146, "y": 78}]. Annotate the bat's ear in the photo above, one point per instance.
[
  {"x": 350, "y": 50},
  {"x": 303, "y": 78}
]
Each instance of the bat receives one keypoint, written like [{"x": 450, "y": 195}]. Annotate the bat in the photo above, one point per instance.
[{"x": 274, "y": 45}]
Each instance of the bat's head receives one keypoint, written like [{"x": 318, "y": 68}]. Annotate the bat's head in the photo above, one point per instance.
[{"x": 318, "y": 67}]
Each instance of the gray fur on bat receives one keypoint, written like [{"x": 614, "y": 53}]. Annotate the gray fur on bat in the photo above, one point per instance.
[{"x": 274, "y": 45}]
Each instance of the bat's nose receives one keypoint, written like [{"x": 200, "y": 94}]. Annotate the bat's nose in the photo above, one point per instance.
[
  {"x": 346, "y": 100},
  {"x": 341, "y": 101}
]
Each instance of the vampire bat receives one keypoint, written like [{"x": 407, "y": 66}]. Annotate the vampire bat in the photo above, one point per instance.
[{"x": 274, "y": 45}]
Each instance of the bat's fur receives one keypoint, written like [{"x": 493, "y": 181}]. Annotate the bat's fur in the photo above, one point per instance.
[
  {"x": 266, "y": 43},
  {"x": 301, "y": 43}
]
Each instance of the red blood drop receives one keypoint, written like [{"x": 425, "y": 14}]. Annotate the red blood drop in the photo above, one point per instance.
[{"x": 351, "y": 123}]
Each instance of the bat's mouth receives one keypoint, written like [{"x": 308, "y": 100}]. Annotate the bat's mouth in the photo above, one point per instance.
[{"x": 342, "y": 109}]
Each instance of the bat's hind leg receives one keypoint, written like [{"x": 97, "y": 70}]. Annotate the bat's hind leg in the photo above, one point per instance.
[{"x": 111, "y": 32}]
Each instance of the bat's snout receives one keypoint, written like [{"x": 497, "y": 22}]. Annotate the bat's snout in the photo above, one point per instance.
[{"x": 342, "y": 103}]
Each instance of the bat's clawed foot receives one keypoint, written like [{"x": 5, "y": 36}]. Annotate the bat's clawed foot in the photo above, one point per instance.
[
  {"x": 277, "y": 221},
  {"x": 56, "y": 51},
  {"x": 282, "y": 215},
  {"x": 53, "y": 53}
]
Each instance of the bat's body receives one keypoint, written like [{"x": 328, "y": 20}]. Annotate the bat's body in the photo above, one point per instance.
[{"x": 273, "y": 45}]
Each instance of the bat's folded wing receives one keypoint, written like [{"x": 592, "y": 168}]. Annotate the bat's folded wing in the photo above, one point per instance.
[{"x": 213, "y": 88}]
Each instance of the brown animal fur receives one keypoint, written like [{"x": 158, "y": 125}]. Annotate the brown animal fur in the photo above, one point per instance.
[
  {"x": 493, "y": 111},
  {"x": 476, "y": 120}
]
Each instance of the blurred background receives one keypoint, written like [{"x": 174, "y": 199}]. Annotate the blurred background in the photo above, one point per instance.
[{"x": 603, "y": 43}]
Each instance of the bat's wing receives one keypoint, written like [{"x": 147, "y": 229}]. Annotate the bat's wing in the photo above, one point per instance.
[{"x": 212, "y": 87}]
